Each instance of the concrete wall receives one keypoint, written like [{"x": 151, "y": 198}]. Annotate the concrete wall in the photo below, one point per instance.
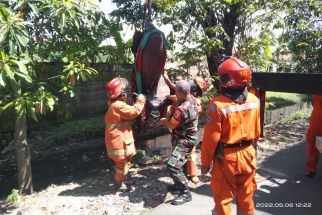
[
  {"x": 93, "y": 96},
  {"x": 278, "y": 114}
]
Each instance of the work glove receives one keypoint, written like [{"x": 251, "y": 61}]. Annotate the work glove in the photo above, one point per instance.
[{"x": 141, "y": 97}]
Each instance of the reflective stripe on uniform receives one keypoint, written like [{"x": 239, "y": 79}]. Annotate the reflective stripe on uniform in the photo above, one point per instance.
[
  {"x": 125, "y": 171},
  {"x": 116, "y": 152},
  {"x": 123, "y": 152},
  {"x": 236, "y": 108},
  {"x": 139, "y": 107},
  {"x": 117, "y": 125},
  {"x": 126, "y": 168},
  {"x": 121, "y": 172}
]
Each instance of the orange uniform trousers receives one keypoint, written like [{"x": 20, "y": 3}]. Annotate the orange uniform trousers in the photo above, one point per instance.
[
  {"x": 230, "y": 122},
  {"x": 314, "y": 130},
  {"x": 191, "y": 163},
  {"x": 234, "y": 176},
  {"x": 122, "y": 163}
]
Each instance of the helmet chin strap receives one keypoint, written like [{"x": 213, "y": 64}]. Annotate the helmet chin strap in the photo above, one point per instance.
[{"x": 237, "y": 95}]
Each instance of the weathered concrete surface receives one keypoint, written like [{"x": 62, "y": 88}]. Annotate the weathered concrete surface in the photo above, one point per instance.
[
  {"x": 284, "y": 189},
  {"x": 162, "y": 144},
  {"x": 278, "y": 114}
]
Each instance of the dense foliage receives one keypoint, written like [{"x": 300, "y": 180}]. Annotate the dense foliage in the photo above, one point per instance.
[
  {"x": 262, "y": 33},
  {"x": 35, "y": 34}
]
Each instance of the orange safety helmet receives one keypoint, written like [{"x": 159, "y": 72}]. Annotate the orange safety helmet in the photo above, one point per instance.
[
  {"x": 234, "y": 73},
  {"x": 198, "y": 86},
  {"x": 201, "y": 83},
  {"x": 116, "y": 86}
]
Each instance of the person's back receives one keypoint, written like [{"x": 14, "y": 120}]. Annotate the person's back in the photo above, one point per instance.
[
  {"x": 188, "y": 128},
  {"x": 237, "y": 125}
]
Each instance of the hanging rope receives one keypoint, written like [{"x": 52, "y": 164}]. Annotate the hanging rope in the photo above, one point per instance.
[{"x": 148, "y": 7}]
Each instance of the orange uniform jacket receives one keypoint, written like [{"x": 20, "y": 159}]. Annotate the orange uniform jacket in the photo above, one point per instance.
[
  {"x": 230, "y": 123},
  {"x": 118, "y": 133}
]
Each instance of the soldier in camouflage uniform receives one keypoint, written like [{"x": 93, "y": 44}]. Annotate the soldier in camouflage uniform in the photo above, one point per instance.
[{"x": 183, "y": 124}]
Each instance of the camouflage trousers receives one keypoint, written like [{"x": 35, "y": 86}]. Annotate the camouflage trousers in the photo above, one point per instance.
[{"x": 176, "y": 164}]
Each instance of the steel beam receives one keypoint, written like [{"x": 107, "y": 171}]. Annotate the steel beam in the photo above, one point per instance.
[{"x": 288, "y": 82}]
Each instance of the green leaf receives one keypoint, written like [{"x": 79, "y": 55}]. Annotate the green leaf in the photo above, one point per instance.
[
  {"x": 268, "y": 51},
  {"x": 72, "y": 94},
  {"x": 4, "y": 11},
  {"x": 4, "y": 56},
  {"x": 6, "y": 106},
  {"x": 19, "y": 5},
  {"x": 21, "y": 65},
  {"x": 22, "y": 40},
  {"x": 26, "y": 77},
  {"x": 3, "y": 35},
  {"x": 63, "y": 20},
  {"x": 302, "y": 44},
  {"x": 76, "y": 23},
  {"x": 8, "y": 70},
  {"x": 33, "y": 115},
  {"x": 50, "y": 101},
  {"x": 15, "y": 86},
  {"x": 34, "y": 9},
  {"x": 12, "y": 49}
]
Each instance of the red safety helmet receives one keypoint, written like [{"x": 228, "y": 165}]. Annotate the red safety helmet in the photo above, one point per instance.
[
  {"x": 234, "y": 73},
  {"x": 116, "y": 86}
]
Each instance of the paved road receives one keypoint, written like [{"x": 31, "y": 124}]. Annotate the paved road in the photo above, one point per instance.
[{"x": 284, "y": 189}]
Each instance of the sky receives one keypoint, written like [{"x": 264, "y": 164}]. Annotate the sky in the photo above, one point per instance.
[{"x": 107, "y": 6}]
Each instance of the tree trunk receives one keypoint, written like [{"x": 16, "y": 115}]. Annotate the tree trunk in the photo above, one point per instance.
[
  {"x": 213, "y": 64},
  {"x": 23, "y": 156}
]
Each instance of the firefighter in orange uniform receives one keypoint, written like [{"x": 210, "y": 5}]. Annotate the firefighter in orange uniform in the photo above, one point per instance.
[
  {"x": 232, "y": 127},
  {"x": 314, "y": 131},
  {"x": 118, "y": 133}
]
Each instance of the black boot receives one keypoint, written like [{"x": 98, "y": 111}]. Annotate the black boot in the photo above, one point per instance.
[
  {"x": 310, "y": 174},
  {"x": 183, "y": 197}
]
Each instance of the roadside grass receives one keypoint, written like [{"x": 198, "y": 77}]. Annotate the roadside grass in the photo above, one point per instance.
[
  {"x": 302, "y": 114},
  {"x": 275, "y": 100},
  {"x": 60, "y": 131},
  {"x": 14, "y": 197}
]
